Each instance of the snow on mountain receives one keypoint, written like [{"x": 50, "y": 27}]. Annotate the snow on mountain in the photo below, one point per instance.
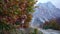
[{"x": 45, "y": 12}]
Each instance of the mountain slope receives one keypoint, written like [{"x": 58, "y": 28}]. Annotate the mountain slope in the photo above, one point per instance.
[{"x": 45, "y": 12}]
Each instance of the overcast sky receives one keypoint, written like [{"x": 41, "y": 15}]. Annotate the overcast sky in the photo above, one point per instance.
[{"x": 55, "y": 2}]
